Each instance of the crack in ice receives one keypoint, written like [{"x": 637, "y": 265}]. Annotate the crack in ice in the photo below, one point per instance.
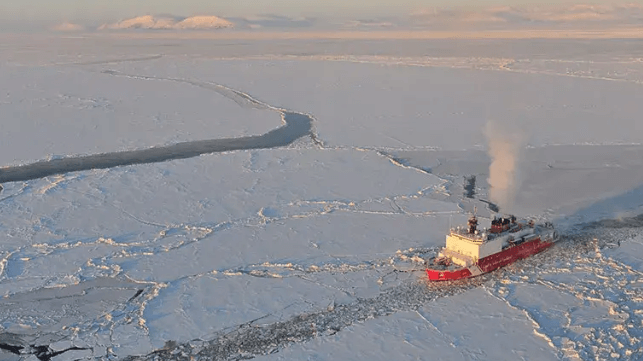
[{"x": 297, "y": 125}]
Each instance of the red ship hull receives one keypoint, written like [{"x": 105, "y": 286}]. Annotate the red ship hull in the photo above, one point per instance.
[
  {"x": 492, "y": 262},
  {"x": 436, "y": 275}
]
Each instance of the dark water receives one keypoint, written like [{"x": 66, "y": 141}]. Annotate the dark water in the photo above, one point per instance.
[{"x": 297, "y": 125}]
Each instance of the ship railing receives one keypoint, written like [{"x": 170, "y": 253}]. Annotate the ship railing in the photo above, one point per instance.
[{"x": 476, "y": 238}]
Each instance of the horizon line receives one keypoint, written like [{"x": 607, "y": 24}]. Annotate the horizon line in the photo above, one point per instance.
[{"x": 621, "y": 32}]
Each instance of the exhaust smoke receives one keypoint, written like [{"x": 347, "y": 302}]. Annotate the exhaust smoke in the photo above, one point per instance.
[{"x": 505, "y": 146}]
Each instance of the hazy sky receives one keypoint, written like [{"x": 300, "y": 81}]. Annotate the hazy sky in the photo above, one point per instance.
[{"x": 34, "y": 11}]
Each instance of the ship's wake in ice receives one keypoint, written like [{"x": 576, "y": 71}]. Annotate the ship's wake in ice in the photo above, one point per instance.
[{"x": 574, "y": 272}]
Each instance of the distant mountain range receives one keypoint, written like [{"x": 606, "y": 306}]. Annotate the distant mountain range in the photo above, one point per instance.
[
  {"x": 510, "y": 17},
  {"x": 169, "y": 23}
]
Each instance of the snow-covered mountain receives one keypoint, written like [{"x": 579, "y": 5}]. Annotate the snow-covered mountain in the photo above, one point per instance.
[
  {"x": 203, "y": 22},
  {"x": 169, "y": 23},
  {"x": 140, "y": 22}
]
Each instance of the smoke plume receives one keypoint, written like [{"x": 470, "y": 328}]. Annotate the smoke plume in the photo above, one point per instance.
[{"x": 505, "y": 146}]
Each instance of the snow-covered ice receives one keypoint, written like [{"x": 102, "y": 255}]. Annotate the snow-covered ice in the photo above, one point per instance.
[
  {"x": 301, "y": 233},
  {"x": 96, "y": 113}
]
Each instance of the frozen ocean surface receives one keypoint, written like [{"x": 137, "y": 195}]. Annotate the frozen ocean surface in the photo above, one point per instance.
[{"x": 169, "y": 199}]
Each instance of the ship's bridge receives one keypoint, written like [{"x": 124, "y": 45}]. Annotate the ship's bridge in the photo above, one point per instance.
[{"x": 466, "y": 248}]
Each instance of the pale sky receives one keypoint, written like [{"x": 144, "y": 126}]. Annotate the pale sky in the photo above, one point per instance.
[{"x": 51, "y": 11}]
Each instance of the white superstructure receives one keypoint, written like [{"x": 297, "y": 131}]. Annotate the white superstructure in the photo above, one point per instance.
[
  {"x": 469, "y": 252},
  {"x": 466, "y": 249}
]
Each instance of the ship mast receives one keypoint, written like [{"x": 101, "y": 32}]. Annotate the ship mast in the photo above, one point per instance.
[{"x": 473, "y": 222}]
